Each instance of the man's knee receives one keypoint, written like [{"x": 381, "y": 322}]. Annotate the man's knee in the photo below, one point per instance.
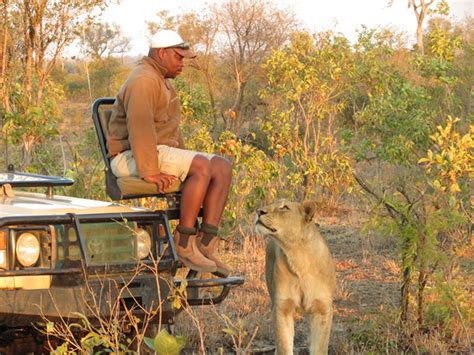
[
  {"x": 200, "y": 165},
  {"x": 221, "y": 168}
]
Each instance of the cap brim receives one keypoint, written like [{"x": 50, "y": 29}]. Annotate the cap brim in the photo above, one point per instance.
[{"x": 186, "y": 53}]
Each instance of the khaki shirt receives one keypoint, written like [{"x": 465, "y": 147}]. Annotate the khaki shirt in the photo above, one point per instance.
[{"x": 146, "y": 113}]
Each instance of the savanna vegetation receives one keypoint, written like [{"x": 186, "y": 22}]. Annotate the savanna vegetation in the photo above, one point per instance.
[{"x": 379, "y": 128}]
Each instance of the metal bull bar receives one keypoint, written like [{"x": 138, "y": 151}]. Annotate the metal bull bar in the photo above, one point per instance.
[{"x": 169, "y": 263}]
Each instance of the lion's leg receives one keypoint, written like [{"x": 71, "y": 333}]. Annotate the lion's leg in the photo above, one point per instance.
[
  {"x": 320, "y": 330},
  {"x": 283, "y": 321}
]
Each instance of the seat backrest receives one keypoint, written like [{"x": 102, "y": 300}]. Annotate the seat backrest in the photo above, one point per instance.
[{"x": 101, "y": 113}]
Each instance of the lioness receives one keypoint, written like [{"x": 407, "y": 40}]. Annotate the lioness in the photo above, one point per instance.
[{"x": 299, "y": 272}]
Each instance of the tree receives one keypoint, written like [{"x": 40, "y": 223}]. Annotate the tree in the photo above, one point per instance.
[
  {"x": 421, "y": 10},
  {"x": 251, "y": 30},
  {"x": 34, "y": 35},
  {"x": 104, "y": 39}
]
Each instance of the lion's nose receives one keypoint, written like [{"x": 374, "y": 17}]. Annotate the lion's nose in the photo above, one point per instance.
[{"x": 261, "y": 211}]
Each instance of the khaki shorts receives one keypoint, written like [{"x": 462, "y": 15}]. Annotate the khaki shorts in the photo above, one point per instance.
[{"x": 171, "y": 161}]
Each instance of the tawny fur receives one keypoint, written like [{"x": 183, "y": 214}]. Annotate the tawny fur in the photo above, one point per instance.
[{"x": 299, "y": 272}]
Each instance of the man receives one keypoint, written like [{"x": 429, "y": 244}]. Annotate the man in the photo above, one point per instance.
[{"x": 145, "y": 141}]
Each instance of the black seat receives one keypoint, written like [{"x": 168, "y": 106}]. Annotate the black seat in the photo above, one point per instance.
[{"x": 124, "y": 187}]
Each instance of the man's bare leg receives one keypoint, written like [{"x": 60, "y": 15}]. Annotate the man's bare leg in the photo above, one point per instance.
[
  {"x": 219, "y": 185},
  {"x": 192, "y": 197},
  {"x": 194, "y": 190},
  {"x": 214, "y": 203}
]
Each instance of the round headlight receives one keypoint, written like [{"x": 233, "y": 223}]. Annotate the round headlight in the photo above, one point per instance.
[
  {"x": 143, "y": 243},
  {"x": 27, "y": 249}
]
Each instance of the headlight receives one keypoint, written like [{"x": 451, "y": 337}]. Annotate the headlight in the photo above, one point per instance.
[
  {"x": 143, "y": 243},
  {"x": 27, "y": 249}
]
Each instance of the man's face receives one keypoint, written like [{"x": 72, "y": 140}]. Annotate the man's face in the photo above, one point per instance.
[{"x": 172, "y": 61}]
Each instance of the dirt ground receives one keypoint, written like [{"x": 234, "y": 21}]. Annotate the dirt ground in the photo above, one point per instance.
[{"x": 367, "y": 275}]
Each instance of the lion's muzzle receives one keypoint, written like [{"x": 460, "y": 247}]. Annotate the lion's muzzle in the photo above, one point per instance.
[{"x": 260, "y": 225}]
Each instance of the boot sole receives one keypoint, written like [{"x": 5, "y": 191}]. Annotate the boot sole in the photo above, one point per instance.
[{"x": 196, "y": 267}]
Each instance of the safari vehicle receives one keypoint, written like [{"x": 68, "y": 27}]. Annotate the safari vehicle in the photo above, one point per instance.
[{"x": 60, "y": 254}]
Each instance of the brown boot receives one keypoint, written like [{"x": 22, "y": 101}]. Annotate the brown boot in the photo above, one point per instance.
[
  {"x": 188, "y": 252},
  {"x": 207, "y": 242}
]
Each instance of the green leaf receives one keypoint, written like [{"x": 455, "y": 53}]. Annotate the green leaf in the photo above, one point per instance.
[
  {"x": 229, "y": 331},
  {"x": 166, "y": 344},
  {"x": 149, "y": 342},
  {"x": 49, "y": 327}
]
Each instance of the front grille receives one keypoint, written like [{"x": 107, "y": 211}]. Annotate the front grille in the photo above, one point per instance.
[{"x": 109, "y": 243}]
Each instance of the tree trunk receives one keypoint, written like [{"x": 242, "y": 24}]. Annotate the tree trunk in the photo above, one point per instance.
[
  {"x": 28, "y": 38},
  {"x": 405, "y": 332},
  {"x": 421, "y": 11},
  {"x": 4, "y": 92},
  {"x": 4, "y": 54},
  {"x": 405, "y": 292},
  {"x": 210, "y": 92},
  {"x": 420, "y": 297},
  {"x": 419, "y": 38}
]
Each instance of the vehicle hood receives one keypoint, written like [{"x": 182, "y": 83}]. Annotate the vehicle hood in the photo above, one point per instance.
[{"x": 27, "y": 204}]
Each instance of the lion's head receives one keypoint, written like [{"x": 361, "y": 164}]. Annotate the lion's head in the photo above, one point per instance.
[{"x": 284, "y": 218}]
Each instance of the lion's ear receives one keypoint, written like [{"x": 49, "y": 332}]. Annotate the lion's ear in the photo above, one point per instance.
[{"x": 309, "y": 209}]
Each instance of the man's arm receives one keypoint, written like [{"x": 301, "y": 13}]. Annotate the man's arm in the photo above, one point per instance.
[{"x": 139, "y": 103}]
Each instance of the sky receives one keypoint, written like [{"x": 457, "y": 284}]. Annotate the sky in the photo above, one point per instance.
[{"x": 345, "y": 16}]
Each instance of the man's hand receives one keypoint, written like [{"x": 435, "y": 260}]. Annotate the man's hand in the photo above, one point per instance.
[{"x": 163, "y": 181}]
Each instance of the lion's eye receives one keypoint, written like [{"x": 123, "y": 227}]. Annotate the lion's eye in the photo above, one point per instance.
[{"x": 284, "y": 208}]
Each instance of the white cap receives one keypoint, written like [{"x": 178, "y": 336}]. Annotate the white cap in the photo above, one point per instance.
[{"x": 171, "y": 39}]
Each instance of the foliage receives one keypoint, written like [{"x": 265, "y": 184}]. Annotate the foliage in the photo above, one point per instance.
[
  {"x": 396, "y": 112},
  {"x": 104, "y": 39},
  {"x": 375, "y": 334},
  {"x": 452, "y": 159},
  {"x": 33, "y": 125},
  {"x": 443, "y": 43},
  {"x": 35, "y": 34},
  {"x": 256, "y": 178},
  {"x": 196, "y": 110},
  {"x": 94, "y": 339},
  {"x": 450, "y": 307},
  {"x": 236, "y": 331},
  {"x": 165, "y": 344},
  {"x": 86, "y": 168},
  {"x": 306, "y": 85}
]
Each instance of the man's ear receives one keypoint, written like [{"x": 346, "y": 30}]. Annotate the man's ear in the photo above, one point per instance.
[
  {"x": 160, "y": 52},
  {"x": 156, "y": 53},
  {"x": 309, "y": 209}
]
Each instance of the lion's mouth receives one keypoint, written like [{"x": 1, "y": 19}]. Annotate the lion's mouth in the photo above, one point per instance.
[{"x": 259, "y": 222}]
